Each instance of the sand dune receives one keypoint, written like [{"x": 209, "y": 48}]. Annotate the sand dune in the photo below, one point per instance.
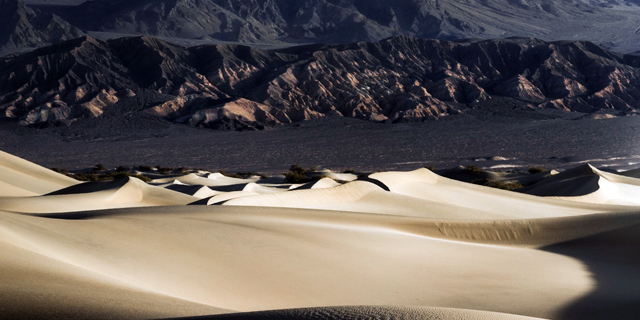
[
  {"x": 209, "y": 180},
  {"x": 196, "y": 191},
  {"x": 370, "y": 313},
  {"x": 122, "y": 193},
  {"x": 319, "y": 184},
  {"x": 396, "y": 245},
  {"x": 588, "y": 184},
  {"x": 23, "y": 178},
  {"x": 410, "y": 193},
  {"x": 333, "y": 175},
  {"x": 244, "y": 259}
]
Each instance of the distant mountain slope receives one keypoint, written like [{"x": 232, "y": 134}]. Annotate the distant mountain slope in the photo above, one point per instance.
[
  {"x": 613, "y": 23},
  {"x": 22, "y": 27},
  {"x": 397, "y": 79}
]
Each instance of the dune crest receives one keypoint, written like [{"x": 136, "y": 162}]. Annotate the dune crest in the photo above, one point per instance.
[
  {"x": 393, "y": 245},
  {"x": 122, "y": 193},
  {"x": 19, "y": 177},
  {"x": 590, "y": 185}
]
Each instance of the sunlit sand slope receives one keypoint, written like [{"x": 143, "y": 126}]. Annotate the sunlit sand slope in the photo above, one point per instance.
[
  {"x": 19, "y": 177},
  {"x": 588, "y": 184},
  {"x": 122, "y": 193},
  {"x": 422, "y": 246}
]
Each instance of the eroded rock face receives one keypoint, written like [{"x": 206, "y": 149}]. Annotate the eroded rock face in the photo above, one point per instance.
[
  {"x": 238, "y": 87},
  {"x": 23, "y": 27},
  {"x": 344, "y": 21}
]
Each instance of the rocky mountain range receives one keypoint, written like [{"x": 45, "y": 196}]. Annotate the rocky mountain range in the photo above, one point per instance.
[
  {"x": 233, "y": 86},
  {"x": 277, "y": 23},
  {"x": 23, "y": 27}
]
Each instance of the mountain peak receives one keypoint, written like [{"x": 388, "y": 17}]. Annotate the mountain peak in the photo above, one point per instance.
[
  {"x": 22, "y": 27},
  {"x": 396, "y": 80}
]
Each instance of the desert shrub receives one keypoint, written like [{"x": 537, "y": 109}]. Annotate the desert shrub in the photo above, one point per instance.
[
  {"x": 473, "y": 169},
  {"x": 183, "y": 170},
  {"x": 118, "y": 175},
  {"x": 85, "y": 176},
  {"x": 143, "y": 177},
  {"x": 99, "y": 167},
  {"x": 122, "y": 169},
  {"x": 296, "y": 174},
  {"x": 164, "y": 170},
  {"x": 145, "y": 168},
  {"x": 297, "y": 168},
  {"x": 121, "y": 175},
  {"x": 481, "y": 182},
  {"x": 505, "y": 185},
  {"x": 533, "y": 170},
  {"x": 244, "y": 174},
  {"x": 62, "y": 171},
  {"x": 296, "y": 177}
]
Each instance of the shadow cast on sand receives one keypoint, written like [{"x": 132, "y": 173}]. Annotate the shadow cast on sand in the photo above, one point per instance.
[{"x": 613, "y": 258}]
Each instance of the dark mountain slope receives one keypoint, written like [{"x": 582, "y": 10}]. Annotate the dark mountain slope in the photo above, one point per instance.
[
  {"x": 397, "y": 79},
  {"x": 613, "y": 23},
  {"x": 22, "y": 27}
]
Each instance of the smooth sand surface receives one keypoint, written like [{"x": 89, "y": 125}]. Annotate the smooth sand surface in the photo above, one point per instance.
[
  {"x": 588, "y": 184},
  {"x": 397, "y": 245},
  {"x": 22, "y": 178},
  {"x": 122, "y": 193}
]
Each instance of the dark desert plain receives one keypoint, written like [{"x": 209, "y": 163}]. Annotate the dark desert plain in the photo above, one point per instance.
[
  {"x": 320, "y": 159},
  {"x": 343, "y": 144}
]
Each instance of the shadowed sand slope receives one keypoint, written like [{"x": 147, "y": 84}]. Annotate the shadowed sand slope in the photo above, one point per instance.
[
  {"x": 244, "y": 259},
  {"x": 424, "y": 246},
  {"x": 126, "y": 192},
  {"x": 422, "y": 193},
  {"x": 588, "y": 184}
]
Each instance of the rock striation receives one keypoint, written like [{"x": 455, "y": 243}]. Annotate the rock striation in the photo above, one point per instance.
[
  {"x": 609, "y": 22},
  {"x": 238, "y": 87},
  {"x": 23, "y": 27}
]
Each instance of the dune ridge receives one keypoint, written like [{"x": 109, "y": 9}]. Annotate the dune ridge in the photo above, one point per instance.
[
  {"x": 23, "y": 178},
  {"x": 393, "y": 245}
]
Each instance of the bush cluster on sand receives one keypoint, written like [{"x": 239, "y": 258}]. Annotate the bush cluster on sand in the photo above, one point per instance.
[
  {"x": 473, "y": 170},
  {"x": 505, "y": 185},
  {"x": 297, "y": 174},
  {"x": 243, "y": 174},
  {"x": 534, "y": 170},
  {"x": 99, "y": 173}
]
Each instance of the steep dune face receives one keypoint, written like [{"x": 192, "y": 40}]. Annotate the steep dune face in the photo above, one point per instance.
[
  {"x": 123, "y": 193},
  {"x": 590, "y": 185},
  {"x": 236, "y": 87},
  {"x": 443, "y": 249},
  {"x": 19, "y": 177}
]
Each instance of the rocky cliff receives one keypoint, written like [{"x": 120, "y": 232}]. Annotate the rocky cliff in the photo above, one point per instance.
[
  {"x": 22, "y": 27},
  {"x": 613, "y": 23},
  {"x": 229, "y": 86}
]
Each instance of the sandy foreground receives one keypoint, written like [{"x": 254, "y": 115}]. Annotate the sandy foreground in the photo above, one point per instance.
[{"x": 393, "y": 245}]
